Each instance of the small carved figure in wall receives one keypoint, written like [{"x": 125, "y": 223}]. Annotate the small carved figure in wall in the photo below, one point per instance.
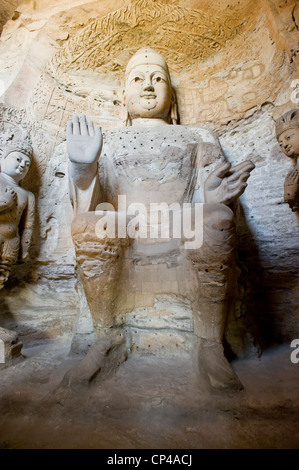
[
  {"x": 17, "y": 205},
  {"x": 287, "y": 134},
  {"x": 154, "y": 160}
]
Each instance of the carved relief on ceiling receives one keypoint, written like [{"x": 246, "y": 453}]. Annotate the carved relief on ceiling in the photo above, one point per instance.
[{"x": 216, "y": 75}]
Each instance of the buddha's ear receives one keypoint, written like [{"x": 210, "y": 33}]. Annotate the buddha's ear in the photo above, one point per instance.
[
  {"x": 124, "y": 97},
  {"x": 127, "y": 119},
  {"x": 174, "y": 117}
]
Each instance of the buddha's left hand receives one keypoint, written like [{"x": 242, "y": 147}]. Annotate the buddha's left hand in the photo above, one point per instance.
[{"x": 226, "y": 183}]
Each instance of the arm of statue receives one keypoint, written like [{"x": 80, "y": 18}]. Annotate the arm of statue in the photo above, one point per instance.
[
  {"x": 291, "y": 189},
  {"x": 84, "y": 145},
  {"x": 226, "y": 183},
  {"x": 26, "y": 234}
]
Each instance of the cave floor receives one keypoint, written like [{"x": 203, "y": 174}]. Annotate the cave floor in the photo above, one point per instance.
[{"x": 149, "y": 403}]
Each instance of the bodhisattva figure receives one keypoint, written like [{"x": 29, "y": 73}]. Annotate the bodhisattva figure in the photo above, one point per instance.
[
  {"x": 287, "y": 134},
  {"x": 16, "y": 204},
  {"x": 154, "y": 160},
  {"x": 16, "y": 216}
]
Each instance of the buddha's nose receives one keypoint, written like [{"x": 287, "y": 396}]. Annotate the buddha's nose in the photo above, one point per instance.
[{"x": 148, "y": 86}]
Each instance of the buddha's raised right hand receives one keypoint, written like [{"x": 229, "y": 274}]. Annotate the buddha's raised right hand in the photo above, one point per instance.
[{"x": 84, "y": 142}]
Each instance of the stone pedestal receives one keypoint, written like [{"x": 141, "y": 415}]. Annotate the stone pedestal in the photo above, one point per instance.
[{"x": 10, "y": 346}]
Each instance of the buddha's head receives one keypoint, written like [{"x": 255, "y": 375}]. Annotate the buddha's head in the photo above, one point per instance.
[
  {"x": 16, "y": 165},
  {"x": 287, "y": 133},
  {"x": 149, "y": 93},
  {"x": 16, "y": 153}
]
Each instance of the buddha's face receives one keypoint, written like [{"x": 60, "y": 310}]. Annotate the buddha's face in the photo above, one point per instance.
[
  {"x": 289, "y": 142},
  {"x": 148, "y": 93},
  {"x": 16, "y": 165}
]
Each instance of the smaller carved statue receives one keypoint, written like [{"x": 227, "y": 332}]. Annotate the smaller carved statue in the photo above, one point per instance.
[
  {"x": 16, "y": 204},
  {"x": 287, "y": 134}
]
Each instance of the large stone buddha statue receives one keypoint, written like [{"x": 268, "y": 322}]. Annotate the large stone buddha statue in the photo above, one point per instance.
[{"x": 121, "y": 183}]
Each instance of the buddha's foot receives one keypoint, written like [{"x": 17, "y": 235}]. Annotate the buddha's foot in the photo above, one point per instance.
[
  {"x": 103, "y": 358},
  {"x": 216, "y": 367}
]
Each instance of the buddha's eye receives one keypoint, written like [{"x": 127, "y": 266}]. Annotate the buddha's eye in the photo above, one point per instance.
[{"x": 137, "y": 79}]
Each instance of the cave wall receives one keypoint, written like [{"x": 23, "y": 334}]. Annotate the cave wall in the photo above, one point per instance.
[{"x": 233, "y": 66}]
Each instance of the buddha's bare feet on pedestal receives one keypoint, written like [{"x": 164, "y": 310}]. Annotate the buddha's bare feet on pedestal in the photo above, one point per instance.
[
  {"x": 213, "y": 363},
  {"x": 107, "y": 353}
]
